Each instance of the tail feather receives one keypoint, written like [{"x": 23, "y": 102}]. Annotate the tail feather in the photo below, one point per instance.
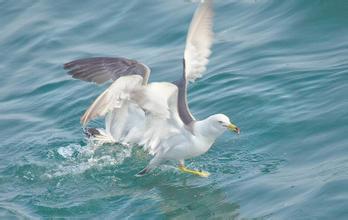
[{"x": 157, "y": 160}]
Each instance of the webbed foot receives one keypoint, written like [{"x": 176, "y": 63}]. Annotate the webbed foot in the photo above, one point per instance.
[{"x": 194, "y": 172}]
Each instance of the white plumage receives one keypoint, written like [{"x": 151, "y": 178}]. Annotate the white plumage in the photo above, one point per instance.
[
  {"x": 155, "y": 115},
  {"x": 198, "y": 42}
]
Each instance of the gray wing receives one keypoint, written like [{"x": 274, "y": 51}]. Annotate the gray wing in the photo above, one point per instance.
[
  {"x": 183, "y": 109},
  {"x": 198, "y": 42},
  {"x": 102, "y": 69}
]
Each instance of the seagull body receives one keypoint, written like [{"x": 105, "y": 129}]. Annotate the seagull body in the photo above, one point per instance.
[{"x": 154, "y": 115}]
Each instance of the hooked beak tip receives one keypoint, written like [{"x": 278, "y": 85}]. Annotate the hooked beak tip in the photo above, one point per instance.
[
  {"x": 237, "y": 130},
  {"x": 234, "y": 128}
]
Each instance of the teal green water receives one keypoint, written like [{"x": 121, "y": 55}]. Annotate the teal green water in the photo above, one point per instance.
[{"x": 279, "y": 69}]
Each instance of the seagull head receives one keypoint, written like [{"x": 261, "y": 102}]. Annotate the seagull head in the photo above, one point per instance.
[{"x": 222, "y": 122}]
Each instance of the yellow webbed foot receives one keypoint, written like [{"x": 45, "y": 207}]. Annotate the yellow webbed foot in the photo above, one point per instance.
[{"x": 194, "y": 172}]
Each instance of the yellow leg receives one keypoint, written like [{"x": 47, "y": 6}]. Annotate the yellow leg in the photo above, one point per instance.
[{"x": 194, "y": 172}]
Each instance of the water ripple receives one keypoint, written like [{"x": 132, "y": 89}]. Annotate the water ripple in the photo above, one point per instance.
[{"x": 278, "y": 69}]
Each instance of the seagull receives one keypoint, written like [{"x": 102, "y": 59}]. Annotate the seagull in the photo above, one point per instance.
[{"x": 154, "y": 115}]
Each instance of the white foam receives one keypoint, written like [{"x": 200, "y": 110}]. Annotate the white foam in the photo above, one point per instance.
[
  {"x": 82, "y": 158},
  {"x": 67, "y": 151}
]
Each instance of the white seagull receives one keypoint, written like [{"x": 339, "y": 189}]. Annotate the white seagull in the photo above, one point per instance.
[{"x": 155, "y": 115}]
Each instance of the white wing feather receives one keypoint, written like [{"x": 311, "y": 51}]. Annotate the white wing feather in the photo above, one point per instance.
[
  {"x": 127, "y": 94},
  {"x": 199, "y": 41},
  {"x": 161, "y": 121},
  {"x": 159, "y": 100},
  {"x": 113, "y": 97}
]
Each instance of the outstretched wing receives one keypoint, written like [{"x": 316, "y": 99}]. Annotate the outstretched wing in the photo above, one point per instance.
[
  {"x": 102, "y": 69},
  {"x": 198, "y": 42},
  {"x": 128, "y": 75},
  {"x": 197, "y": 50}
]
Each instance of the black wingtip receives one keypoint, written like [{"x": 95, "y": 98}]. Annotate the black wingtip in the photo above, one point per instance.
[{"x": 68, "y": 65}]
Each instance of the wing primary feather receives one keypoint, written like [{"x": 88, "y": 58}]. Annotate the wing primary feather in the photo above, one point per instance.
[
  {"x": 102, "y": 69},
  {"x": 199, "y": 40},
  {"x": 197, "y": 51}
]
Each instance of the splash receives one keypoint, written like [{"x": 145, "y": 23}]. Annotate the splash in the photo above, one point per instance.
[{"x": 78, "y": 159}]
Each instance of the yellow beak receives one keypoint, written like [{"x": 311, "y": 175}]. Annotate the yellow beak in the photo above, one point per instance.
[{"x": 234, "y": 128}]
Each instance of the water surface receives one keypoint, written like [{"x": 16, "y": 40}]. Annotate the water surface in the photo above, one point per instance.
[{"x": 279, "y": 69}]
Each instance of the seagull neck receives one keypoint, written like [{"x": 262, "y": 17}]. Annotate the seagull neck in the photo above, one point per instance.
[{"x": 204, "y": 129}]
